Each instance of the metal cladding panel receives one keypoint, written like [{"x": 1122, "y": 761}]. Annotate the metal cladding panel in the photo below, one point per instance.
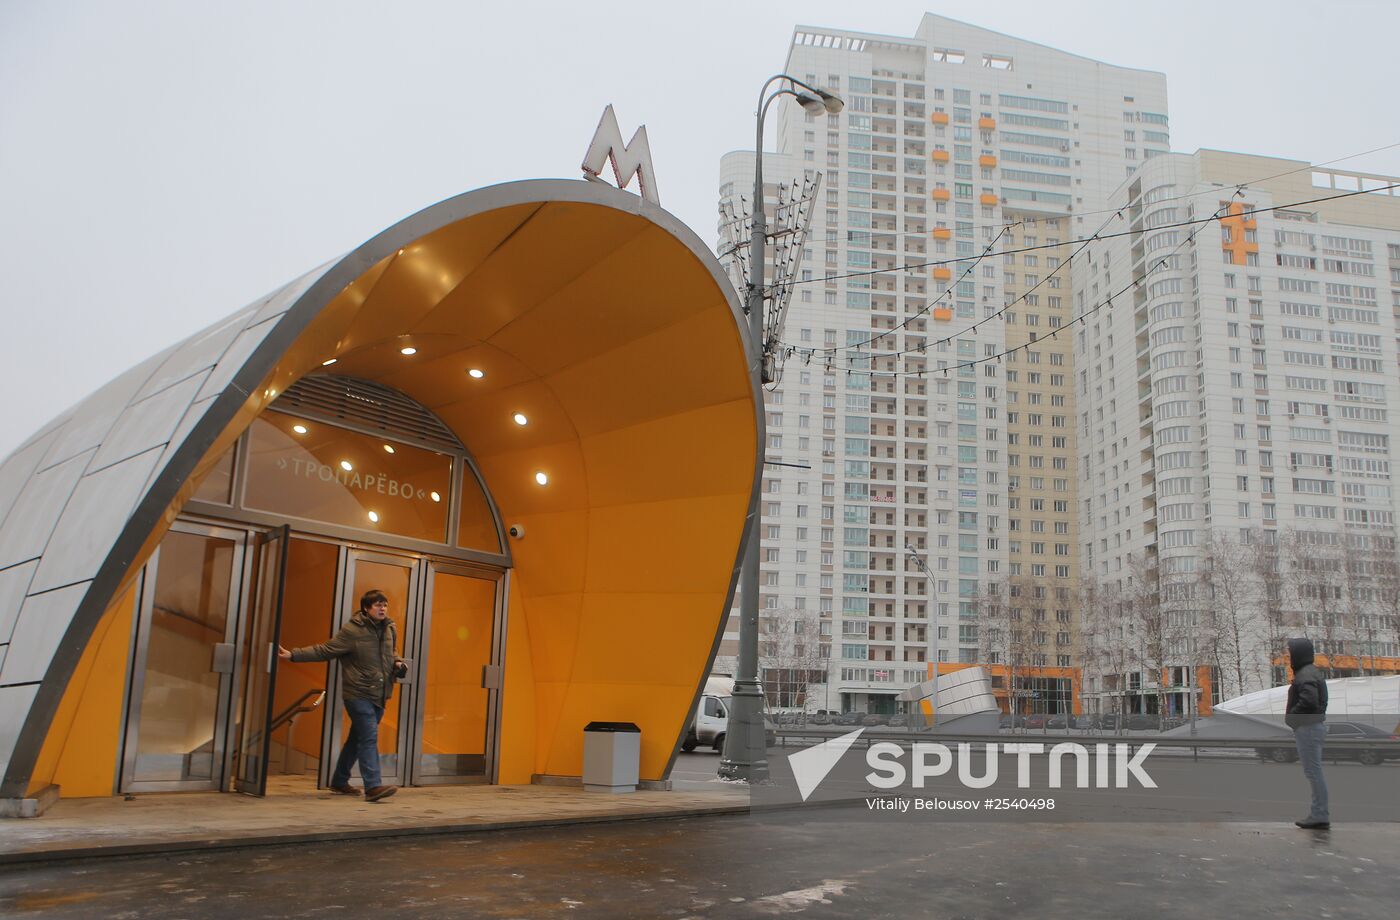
[
  {"x": 148, "y": 423},
  {"x": 34, "y": 516},
  {"x": 16, "y": 470},
  {"x": 282, "y": 299},
  {"x": 237, "y": 355},
  {"x": 191, "y": 418},
  {"x": 14, "y": 585},
  {"x": 14, "y": 709},
  {"x": 96, "y": 414},
  {"x": 95, "y": 516},
  {"x": 43, "y": 620},
  {"x": 200, "y": 351}
]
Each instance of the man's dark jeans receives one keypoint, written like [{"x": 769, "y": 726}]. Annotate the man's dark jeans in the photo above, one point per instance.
[{"x": 362, "y": 744}]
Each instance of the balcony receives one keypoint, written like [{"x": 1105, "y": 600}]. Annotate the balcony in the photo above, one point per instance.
[
  {"x": 940, "y": 156},
  {"x": 987, "y": 161},
  {"x": 939, "y": 118},
  {"x": 942, "y": 194},
  {"x": 989, "y": 200},
  {"x": 942, "y": 314},
  {"x": 942, "y": 233},
  {"x": 987, "y": 124},
  {"x": 942, "y": 274}
]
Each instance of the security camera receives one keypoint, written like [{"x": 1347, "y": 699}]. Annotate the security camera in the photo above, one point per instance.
[{"x": 517, "y": 531}]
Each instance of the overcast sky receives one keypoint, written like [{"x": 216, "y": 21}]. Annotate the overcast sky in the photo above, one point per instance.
[{"x": 163, "y": 164}]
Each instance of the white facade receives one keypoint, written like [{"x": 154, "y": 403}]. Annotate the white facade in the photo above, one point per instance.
[
  {"x": 1233, "y": 408},
  {"x": 946, "y": 137}
]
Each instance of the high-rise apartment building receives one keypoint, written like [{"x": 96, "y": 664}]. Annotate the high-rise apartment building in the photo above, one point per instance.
[
  {"x": 1236, "y": 430},
  {"x": 895, "y": 421}
]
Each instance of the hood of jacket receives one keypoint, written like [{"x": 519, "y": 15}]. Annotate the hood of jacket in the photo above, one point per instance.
[{"x": 1300, "y": 653}]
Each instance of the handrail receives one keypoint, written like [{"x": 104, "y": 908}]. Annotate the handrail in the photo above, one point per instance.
[{"x": 296, "y": 709}]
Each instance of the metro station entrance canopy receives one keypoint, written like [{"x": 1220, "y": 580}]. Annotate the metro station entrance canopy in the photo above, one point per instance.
[{"x": 573, "y": 361}]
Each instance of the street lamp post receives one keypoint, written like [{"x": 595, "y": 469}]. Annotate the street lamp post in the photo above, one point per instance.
[
  {"x": 933, "y": 615},
  {"x": 745, "y": 751}
]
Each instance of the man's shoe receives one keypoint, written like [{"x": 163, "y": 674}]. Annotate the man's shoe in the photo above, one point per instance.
[
  {"x": 379, "y": 792},
  {"x": 1312, "y": 824},
  {"x": 345, "y": 790}
]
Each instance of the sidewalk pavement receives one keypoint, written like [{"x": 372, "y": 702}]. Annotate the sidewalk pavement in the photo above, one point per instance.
[{"x": 298, "y": 813}]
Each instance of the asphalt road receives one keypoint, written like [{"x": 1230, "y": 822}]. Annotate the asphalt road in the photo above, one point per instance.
[{"x": 829, "y": 862}]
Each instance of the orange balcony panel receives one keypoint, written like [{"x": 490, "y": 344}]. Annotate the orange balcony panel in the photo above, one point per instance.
[
  {"x": 942, "y": 274},
  {"x": 989, "y": 199},
  {"x": 939, "y": 118},
  {"x": 942, "y": 314},
  {"x": 986, "y": 161},
  {"x": 987, "y": 124},
  {"x": 941, "y": 194},
  {"x": 940, "y": 156},
  {"x": 942, "y": 233}
]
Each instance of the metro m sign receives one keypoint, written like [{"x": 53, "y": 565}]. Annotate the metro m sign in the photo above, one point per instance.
[{"x": 632, "y": 158}]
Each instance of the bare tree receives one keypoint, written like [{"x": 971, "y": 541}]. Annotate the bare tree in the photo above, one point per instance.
[
  {"x": 1270, "y": 564},
  {"x": 790, "y": 647},
  {"x": 1317, "y": 571},
  {"x": 1382, "y": 623},
  {"x": 1147, "y": 625},
  {"x": 1233, "y": 595}
]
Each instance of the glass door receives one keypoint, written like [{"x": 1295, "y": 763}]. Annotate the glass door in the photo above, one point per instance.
[
  {"x": 456, "y": 647},
  {"x": 396, "y": 576},
  {"x": 259, "y": 662},
  {"x": 183, "y": 662}
]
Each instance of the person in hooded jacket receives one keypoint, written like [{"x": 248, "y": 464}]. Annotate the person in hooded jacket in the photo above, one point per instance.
[
  {"x": 1306, "y": 714},
  {"x": 368, "y": 666}
]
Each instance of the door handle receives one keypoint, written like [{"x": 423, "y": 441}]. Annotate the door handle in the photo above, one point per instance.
[
  {"x": 222, "y": 661},
  {"x": 491, "y": 677},
  {"x": 408, "y": 676}
]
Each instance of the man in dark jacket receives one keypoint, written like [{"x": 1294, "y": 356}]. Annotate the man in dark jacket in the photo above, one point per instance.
[
  {"x": 1306, "y": 714},
  {"x": 368, "y": 665}
]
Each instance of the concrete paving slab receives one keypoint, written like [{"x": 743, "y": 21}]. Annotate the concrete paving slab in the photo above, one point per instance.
[{"x": 295, "y": 812}]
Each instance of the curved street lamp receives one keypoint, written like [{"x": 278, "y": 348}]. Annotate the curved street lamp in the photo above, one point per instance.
[{"x": 745, "y": 751}]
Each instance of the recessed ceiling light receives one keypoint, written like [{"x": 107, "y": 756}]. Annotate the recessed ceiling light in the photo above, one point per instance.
[
  {"x": 542, "y": 478},
  {"x": 345, "y": 465},
  {"x": 520, "y": 419},
  {"x": 299, "y": 429},
  {"x": 408, "y": 350},
  {"x": 434, "y": 496},
  {"x": 330, "y": 362},
  {"x": 476, "y": 373},
  {"x": 388, "y": 448},
  {"x": 374, "y": 517}
]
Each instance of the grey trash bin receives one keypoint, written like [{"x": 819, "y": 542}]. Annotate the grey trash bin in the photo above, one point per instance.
[{"x": 611, "y": 754}]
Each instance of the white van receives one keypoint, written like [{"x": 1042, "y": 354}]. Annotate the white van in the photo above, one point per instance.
[{"x": 712, "y": 717}]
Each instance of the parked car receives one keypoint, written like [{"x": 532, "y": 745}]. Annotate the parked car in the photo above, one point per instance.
[
  {"x": 1142, "y": 722},
  {"x": 850, "y": 718},
  {"x": 820, "y": 717},
  {"x": 1057, "y": 721},
  {"x": 1110, "y": 722},
  {"x": 1084, "y": 723},
  {"x": 1360, "y": 731},
  {"x": 899, "y": 721},
  {"x": 875, "y": 718},
  {"x": 1033, "y": 720},
  {"x": 1283, "y": 752}
]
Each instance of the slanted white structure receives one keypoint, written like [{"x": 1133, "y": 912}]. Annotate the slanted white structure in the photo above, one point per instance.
[
  {"x": 1358, "y": 699},
  {"x": 963, "y": 697}
]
